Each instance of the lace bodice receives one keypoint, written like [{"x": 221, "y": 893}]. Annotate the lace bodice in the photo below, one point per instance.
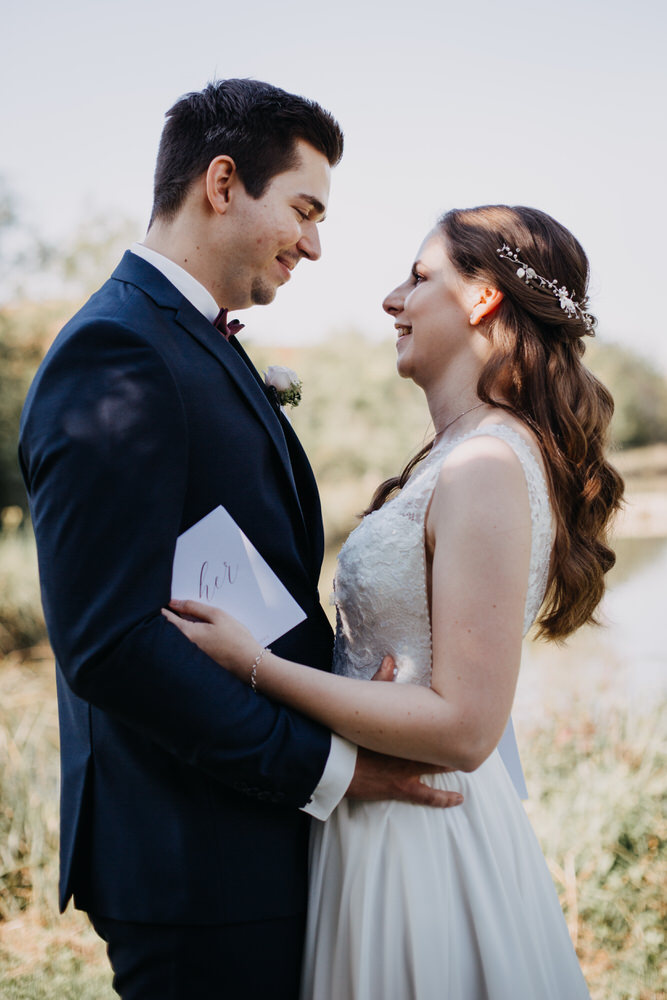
[{"x": 380, "y": 585}]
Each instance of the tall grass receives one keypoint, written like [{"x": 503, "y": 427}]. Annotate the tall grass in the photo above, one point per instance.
[
  {"x": 42, "y": 956},
  {"x": 597, "y": 787},
  {"x": 28, "y": 790},
  {"x": 21, "y": 619},
  {"x": 598, "y": 791}
]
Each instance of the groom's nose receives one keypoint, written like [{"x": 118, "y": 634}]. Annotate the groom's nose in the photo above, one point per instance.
[{"x": 309, "y": 245}]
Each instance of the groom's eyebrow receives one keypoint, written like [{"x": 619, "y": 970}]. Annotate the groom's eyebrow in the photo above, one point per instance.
[{"x": 316, "y": 205}]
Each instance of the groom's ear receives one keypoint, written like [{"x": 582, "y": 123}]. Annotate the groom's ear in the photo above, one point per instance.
[{"x": 220, "y": 177}]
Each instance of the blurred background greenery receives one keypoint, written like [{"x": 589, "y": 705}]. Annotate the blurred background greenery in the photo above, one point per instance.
[{"x": 595, "y": 770}]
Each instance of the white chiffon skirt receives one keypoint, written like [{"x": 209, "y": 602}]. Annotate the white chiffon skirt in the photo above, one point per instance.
[{"x": 414, "y": 903}]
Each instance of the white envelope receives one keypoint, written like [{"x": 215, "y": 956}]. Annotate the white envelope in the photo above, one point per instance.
[{"x": 215, "y": 563}]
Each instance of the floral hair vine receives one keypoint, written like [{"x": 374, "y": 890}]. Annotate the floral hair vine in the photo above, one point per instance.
[{"x": 568, "y": 302}]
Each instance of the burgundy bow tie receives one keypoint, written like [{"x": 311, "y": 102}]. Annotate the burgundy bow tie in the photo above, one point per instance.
[{"x": 227, "y": 329}]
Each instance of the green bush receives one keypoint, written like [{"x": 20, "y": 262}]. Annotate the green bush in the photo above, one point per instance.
[
  {"x": 359, "y": 422},
  {"x": 639, "y": 391},
  {"x": 25, "y": 333}
]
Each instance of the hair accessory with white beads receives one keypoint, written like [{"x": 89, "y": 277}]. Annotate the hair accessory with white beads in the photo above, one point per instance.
[{"x": 568, "y": 302}]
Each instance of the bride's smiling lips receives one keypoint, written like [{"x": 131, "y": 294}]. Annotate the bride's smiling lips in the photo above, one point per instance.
[{"x": 402, "y": 330}]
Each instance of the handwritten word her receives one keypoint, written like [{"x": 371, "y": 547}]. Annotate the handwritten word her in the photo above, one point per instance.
[{"x": 209, "y": 585}]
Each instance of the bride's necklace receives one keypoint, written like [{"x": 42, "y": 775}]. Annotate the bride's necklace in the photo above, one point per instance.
[{"x": 447, "y": 426}]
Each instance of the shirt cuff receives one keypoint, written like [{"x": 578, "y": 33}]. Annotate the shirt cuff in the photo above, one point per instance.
[{"x": 335, "y": 779}]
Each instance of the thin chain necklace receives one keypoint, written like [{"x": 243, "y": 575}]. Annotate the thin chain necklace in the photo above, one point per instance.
[{"x": 447, "y": 426}]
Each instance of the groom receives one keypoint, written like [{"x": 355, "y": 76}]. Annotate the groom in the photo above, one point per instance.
[{"x": 185, "y": 796}]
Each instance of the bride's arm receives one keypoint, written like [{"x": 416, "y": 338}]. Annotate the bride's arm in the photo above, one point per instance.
[{"x": 478, "y": 529}]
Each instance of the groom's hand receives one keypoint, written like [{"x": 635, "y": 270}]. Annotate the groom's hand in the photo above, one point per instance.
[{"x": 378, "y": 777}]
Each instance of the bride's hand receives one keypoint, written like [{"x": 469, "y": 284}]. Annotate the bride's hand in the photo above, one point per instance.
[{"x": 217, "y": 634}]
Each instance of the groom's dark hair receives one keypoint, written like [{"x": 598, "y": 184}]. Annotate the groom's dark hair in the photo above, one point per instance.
[{"x": 255, "y": 123}]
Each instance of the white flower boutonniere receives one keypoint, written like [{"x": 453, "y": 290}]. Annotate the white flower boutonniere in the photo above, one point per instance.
[{"x": 285, "y": 383}]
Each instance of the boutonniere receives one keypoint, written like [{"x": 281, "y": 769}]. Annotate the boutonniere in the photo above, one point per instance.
[{"x": 285, "y": 383}]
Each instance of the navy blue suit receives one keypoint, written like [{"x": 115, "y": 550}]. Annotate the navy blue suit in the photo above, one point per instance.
[{"x": 180, "y": 787}]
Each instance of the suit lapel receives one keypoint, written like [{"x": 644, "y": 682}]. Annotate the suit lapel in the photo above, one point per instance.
[
  {"x": 308, "y": 494},
  {"x": 303, "y": 478},
  {"x": 300, "y": 473},
  {"x": 239, "y": 367},
  {"x": 134, "y": 270}
]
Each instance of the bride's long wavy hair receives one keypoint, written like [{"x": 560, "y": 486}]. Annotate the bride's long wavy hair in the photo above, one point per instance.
[{"x": 535, "y": 372}]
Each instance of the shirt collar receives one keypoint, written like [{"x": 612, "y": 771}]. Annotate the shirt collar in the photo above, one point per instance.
[{"x": 181, "y": 279}]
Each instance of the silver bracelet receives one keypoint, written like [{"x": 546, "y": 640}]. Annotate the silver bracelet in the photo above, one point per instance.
[{"x": 253, "y": 672}]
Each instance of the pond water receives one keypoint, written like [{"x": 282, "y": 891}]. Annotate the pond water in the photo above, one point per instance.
[{"x": 623, "y": 661}]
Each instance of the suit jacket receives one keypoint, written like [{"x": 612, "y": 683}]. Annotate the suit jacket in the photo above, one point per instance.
[{"x": 180, "y": 786}]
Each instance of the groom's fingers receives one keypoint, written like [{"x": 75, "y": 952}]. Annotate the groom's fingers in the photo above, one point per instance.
[
  {"x": 377, "y": 777},
  {"x": 410, "y": 787},
  {"x": 424, "y": 795},
  {"x": 386, "y": 671}
]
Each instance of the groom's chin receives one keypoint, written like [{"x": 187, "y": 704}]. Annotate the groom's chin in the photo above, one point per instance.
[{"x": 262, "y": 293}]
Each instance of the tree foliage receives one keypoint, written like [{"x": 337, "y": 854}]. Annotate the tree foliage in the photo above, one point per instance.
[
  {"x": 359, "y": 422},
  {"x": 31, "y": 268},
  {"x": 24, "y": 332},
  {"x": 639, "y": 391}
]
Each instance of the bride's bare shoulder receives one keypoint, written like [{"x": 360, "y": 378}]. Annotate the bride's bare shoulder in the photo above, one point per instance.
[
  {"x": 493, "y": 444},
  {"x": 482, "y": 474}
]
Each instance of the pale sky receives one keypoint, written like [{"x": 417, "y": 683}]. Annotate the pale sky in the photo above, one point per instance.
[{"x": 556, "y": 105}]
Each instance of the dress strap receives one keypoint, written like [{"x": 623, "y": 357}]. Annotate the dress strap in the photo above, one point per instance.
[
  {"x": 540, "y": 514},
  {"x": 414, "y": 502}
]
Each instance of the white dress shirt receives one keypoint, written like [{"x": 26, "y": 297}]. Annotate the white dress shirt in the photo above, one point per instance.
[{"x": 342, "y": 758}]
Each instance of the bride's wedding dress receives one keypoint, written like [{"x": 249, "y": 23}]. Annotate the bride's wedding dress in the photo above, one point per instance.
[{"x": 414, "y": 903}]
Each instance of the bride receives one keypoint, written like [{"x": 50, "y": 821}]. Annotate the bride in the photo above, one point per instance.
[{"x": 499, "y": 523}]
